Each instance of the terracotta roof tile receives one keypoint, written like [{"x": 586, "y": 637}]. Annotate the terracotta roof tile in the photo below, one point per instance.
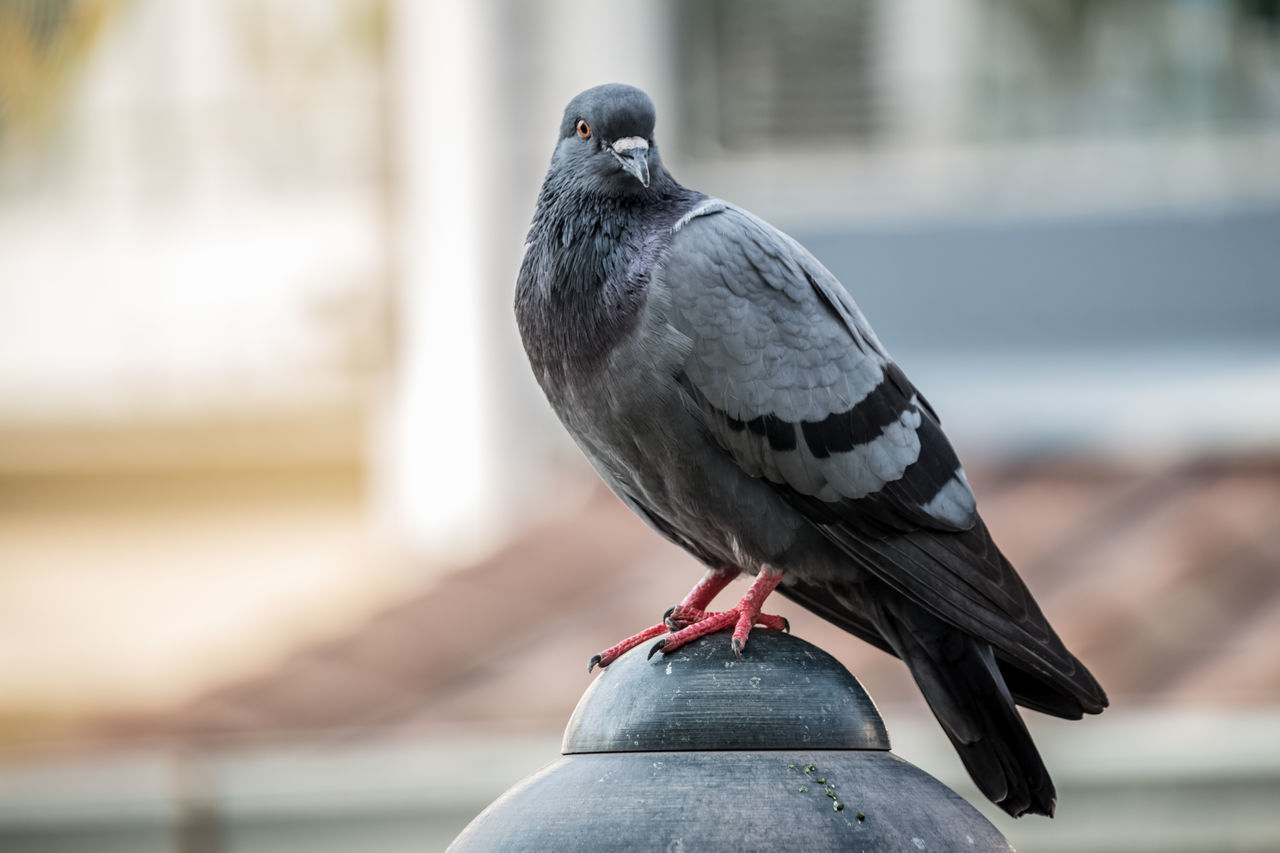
[{"x": 1165, "y": 579}]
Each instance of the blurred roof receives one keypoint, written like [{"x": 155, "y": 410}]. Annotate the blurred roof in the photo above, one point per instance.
[{"x": 1162, "y": 577}]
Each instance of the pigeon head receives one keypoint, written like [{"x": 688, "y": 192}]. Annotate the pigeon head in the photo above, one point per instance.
[{"x": 606, "y": 141}]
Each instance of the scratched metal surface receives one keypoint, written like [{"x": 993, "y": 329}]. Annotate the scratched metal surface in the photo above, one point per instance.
[
  {"x": 784, "y": 693},
  {"x": 781, "y": 750}
]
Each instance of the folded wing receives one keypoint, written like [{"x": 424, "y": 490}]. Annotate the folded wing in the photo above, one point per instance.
[{"x": 792, "y": 382}]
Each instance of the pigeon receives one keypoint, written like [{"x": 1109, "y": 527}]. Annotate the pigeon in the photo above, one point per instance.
[{"x": 727, "y": 388}]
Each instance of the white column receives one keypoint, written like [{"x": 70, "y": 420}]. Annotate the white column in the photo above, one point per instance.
[
  {"x": 434, "y": 459},
  {"x": 924, "y": 51}
]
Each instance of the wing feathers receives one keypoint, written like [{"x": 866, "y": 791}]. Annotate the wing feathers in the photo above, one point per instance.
[
  {"x": 862, "y": 423},
  {"x": 964, "y": 579},
  {"x": 792, "y": 382}
]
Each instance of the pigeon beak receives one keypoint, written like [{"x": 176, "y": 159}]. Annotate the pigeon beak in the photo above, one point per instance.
[{"x": 633, "y": 155}]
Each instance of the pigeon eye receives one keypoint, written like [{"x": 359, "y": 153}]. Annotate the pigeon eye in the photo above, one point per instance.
[{"x": 584, "y": 129}]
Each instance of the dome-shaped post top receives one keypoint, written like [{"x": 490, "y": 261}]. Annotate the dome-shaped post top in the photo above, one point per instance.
[
  {"x": 784, "y": 693},
  {"x": 698, "y": 750}
]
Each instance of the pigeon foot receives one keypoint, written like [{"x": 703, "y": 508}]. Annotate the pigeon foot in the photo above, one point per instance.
[
  {"x": 742, "y": 617},
  {"x": 614, "y": 652},
  {"x": 695, "y": 602},
  {"x": 680, "y": 617}
]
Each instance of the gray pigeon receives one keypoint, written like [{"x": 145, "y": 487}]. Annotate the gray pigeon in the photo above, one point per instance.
[{"x": 727, "y": 388}]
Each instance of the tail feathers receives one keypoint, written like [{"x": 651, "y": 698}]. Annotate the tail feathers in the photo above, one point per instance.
[
  {"x": 1032, "y": 692},
  {"x": 966, "y": 692}
]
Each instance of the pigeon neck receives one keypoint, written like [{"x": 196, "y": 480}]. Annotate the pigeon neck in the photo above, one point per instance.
[
  {"x": 586, "y": 270},
  {"x": 568, "y": 202}
]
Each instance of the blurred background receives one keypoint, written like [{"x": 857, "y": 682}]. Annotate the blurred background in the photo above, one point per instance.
[{"x": 293, "y": 555}]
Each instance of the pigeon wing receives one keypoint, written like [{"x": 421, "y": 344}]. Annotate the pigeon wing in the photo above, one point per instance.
[{"x": 792, "y": 382}]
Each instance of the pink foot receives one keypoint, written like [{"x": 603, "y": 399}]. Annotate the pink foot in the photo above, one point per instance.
[
  {"x": 742, "y": 617},
  {"x": 695, "y": 602},
  {"x": 614, "y": 652},
  {"x": 678, "y": 618}
]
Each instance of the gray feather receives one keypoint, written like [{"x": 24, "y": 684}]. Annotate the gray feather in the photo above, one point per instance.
[{"x": 775, "y": 337}]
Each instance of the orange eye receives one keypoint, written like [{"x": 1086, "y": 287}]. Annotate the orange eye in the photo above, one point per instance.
[{"x": 584, "y": 129}]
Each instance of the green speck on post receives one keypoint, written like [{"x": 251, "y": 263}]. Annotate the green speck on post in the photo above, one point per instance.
[
  {"x": 802, "y": 789},
  {"x": 838, "y": 806},
  {"x": 861, "y": 817}
]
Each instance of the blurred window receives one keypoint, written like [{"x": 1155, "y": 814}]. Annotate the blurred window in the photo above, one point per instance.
[
  {"x": 815, "y": 73},
  {"x": 1133, "y": 67},
  {"x": 775, "y": 73}
]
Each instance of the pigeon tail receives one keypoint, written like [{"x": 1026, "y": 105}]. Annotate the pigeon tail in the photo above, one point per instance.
[
  {"x": 964, "y": 685},
  {"x": 964, "y": 688}
]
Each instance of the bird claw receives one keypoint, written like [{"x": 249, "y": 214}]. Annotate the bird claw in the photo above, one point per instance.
[
  {"x": 614, "y": 652},
  {"x": 682, "y": 616},
  {"x": 688, "y": 621},
  {"x": 737, "y": 647}
]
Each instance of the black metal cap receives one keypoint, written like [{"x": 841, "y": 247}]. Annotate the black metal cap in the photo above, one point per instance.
[
  {"x": 784, "y": 694},
  {"x": 781, "y": 750}
]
